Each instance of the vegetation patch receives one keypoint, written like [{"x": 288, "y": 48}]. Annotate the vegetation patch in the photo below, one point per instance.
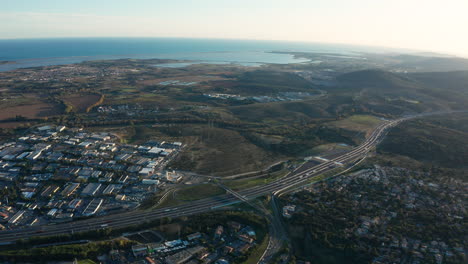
[
  {"x": 438, "y": 141},
  {"x": 363, "y": 123},
  {"x": 242, "y": 184},
  {"x": 198, "y": 192},
  {"x": 65, "y": 252},
  {"x": 218, "y": 151},
  {"x": 82, "y": 103}
]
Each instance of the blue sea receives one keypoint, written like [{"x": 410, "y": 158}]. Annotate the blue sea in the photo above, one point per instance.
[{"x": 42, "y": 52}]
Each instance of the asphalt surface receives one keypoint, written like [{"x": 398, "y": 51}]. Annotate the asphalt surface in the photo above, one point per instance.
[
  {"x": 121, "y": 220},
  {"x": 278, "y": 235}
]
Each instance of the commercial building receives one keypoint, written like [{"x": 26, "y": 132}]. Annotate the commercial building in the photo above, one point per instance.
[
  {"x": 16, "y": 217},
  {"x": 91, "y": 189},
  {"x": 93, "y": 207},
  {"x": 70, "y": 189}
]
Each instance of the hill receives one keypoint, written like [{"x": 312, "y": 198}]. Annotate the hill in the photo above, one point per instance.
[
  {"x": 376, "y": 79},
  {"x": 264, "y": 82},
  {"x": 397, "y": 93},
  {"x": 449, "y": 81},
  {"x": 456, "y": 81},
  {"x": 439, "y": 141},
  {"x": 432, "y": 63}
]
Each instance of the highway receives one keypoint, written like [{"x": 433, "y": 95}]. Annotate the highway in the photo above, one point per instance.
[{"x": 121, "y": 220}]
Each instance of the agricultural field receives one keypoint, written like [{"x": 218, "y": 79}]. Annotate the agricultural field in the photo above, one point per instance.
[
  {"x": 28, "y": 106},
  {"x": 81, "y": 103},
  {"x": 233, "y": 119}
]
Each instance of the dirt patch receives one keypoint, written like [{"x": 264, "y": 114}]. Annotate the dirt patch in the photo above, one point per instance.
[
  {"x": 36, "y": 110},
  {"x": 12, "y": 124},
  {"x": 81, "y": 102}
]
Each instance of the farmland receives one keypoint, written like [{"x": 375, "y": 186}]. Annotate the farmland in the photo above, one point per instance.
[
  {"x": 232, "y": 118},
  {"x": 81, "y": 103},
  {"x": 28, "y": 106}
]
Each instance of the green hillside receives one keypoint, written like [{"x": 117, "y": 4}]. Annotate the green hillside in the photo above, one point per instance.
[{"x": 439, "y": 141}]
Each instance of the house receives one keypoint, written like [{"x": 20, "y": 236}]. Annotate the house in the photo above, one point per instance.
[
  {"x": 234, "y": 225},
  {"x": 228, "y": 249},
  {"x": 246, "y": 239},
  {"x": 245, "y": 248},
  {"x": 219, "y": 232},
  {"x": 287, "y": 210},
  {"x": 173, "y": 177},
  {"x": 222, "y": 261}
]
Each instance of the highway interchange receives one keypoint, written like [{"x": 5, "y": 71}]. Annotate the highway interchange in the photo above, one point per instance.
[{"x": 121, "y": 220}]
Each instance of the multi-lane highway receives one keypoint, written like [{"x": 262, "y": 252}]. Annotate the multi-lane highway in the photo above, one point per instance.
[{"x": 204, "y": 205}]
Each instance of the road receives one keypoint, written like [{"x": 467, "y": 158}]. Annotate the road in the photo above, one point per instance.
[
  {"x": 278, "y": 235},
  {"x": 121, "y": 220}
]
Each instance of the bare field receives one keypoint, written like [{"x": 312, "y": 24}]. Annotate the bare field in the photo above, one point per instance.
[
  {"x": 12, "y": 124},
  {"x": 34, "y": 110},
  {"x": 81, "y": 102}
]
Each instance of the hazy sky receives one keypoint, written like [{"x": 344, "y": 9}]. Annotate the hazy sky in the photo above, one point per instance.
[{"x": 415, "y": 24}]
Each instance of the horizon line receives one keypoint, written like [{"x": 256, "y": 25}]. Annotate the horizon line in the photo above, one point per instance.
[{"x": 388, "y": 49}]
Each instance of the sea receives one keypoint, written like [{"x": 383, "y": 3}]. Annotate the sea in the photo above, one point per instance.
[{"x": 24, "y": 53}]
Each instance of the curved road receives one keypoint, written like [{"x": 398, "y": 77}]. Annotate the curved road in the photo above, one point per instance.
[{"x": 204, "y": 205}]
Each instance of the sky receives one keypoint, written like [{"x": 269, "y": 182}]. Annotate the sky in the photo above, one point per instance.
[{"x": 428, "y": 25}]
